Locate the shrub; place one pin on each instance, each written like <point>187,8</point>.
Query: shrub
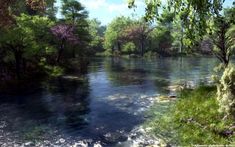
<point>226,91</point>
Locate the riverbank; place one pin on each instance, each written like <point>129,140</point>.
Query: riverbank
<point>194,119</point>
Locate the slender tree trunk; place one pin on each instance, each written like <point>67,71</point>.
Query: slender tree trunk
<point>74,53</point>
<point>112,50</point>
<point>119,46</point>
<point>181,38</point>
<point>60,52</point>
<point>59,55</point>
<point>142,49</point>
<point>18,58</point>
<point>142,46</point>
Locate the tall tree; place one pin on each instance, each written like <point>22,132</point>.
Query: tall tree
<point>26,42</point>
<point>65,34</point>
<point>113,34</point>
<point>138,32</point>
<point>96,32</point>
<point>9,8</point>
<point>194,14</point>
<point>76,15</point>
<point>73,11</point>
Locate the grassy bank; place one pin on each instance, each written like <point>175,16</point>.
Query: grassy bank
<point>194,119</point>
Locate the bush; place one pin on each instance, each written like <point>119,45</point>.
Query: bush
<point>226,92</point>
<point>194,119</point>
<point>53,71</point>
<point>129,48</point>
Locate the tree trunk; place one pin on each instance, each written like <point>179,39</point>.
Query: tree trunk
<point>142,46</point>
<point>60,52</point>
<point>18,58</point>
<point>119,46</point>
<point>59,55</point>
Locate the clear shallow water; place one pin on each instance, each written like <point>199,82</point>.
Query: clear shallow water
<point>103,105</point>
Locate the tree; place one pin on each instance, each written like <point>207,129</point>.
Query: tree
<point>9,8</point>
<point>113,35</point>
<point>138,32</point>
<point>73,11</point>
<point>222,49</point>
<point>26,42</point>
<point>129,48</point>
<point>76,15</point>
<point>6,9</point>
<point>65,34</point>
<point>51,9</point>
<point>96,32</point>
<point>161,40</point>
<point>161,36</point>
<point>194,14</point>
<point>199,18</point>
<point>222,36</point>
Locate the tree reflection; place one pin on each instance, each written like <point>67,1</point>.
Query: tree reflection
<point>123,72</point>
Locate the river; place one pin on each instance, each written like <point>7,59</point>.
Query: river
<point>100,107</point>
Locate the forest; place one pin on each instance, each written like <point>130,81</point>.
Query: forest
<point>33,39</point>
<point>37,46</point>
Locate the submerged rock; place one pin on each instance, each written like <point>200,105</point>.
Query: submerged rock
<point>139,137</point>
<point>175,88</point>
<point>97,144</point>
<point>3,124</point>
<point>80,144</point>
<point>29,144</point>
<point>166,98</point>
<point>62,140</point>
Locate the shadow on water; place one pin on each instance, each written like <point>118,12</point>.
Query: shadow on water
<point>61,102</point>
<point>66,105</point>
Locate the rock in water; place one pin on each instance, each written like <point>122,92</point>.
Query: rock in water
<point>139,137</point>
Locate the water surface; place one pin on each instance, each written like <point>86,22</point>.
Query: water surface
<point>103,105</point>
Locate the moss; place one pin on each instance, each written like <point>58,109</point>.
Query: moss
<point>36,133</point>
<point>193,119</point>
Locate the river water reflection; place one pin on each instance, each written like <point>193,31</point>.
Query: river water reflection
<point>103,105</point>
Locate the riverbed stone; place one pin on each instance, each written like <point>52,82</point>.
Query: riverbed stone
<point>3,124</point>
<point>80,144</point>
<point>97,144</point>
<point>29,143</point>
<point>139,137</point>
<point>62,140</point>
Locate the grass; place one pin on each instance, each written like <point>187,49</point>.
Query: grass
<point>193,120</point>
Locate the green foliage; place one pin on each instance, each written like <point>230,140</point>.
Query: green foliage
<point>51,70</point>
<point>75,14</point>
<point>96,35</point>
<point>223,39</point>
<point>28,40</point>
<point>230,43</point>
<point>129,48</point>
<point>114,32</point>
<point>161,40</point>
<point>73,11</point>
<point>193,119</point>
<point>195,15</point>
<point>36,30</point>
